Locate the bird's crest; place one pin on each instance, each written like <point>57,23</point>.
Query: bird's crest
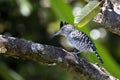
<point>62,24</point>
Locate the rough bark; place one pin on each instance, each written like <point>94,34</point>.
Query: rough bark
<point>109,16</point>
<point>22,49</point>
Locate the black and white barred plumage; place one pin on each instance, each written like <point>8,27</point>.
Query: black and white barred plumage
<point>78,39</point>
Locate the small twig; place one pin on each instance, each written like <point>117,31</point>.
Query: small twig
<point>22,49</point>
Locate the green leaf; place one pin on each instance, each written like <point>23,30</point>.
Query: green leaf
<point>87,13</point>
<point>62,10</point>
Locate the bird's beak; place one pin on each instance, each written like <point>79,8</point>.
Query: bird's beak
<point>57,33</point>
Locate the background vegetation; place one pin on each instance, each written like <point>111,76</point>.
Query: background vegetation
<point>38,20</point>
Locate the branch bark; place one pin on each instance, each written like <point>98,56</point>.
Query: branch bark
<point>22,49</point>
<point>109,16</point>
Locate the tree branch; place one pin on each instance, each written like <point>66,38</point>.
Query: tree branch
<point>22,49</point>
<point>109,16</point>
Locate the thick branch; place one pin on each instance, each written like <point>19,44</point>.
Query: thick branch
<point>21,49</point>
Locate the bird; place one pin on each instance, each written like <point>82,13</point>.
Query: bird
<point>78,39</point>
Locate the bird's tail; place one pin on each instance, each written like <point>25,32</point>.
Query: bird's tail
<point>98,56</point>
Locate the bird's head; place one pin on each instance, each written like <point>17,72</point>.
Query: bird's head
<point>65,29</point>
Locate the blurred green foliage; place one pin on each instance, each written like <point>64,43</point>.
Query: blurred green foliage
<point>37,20</point>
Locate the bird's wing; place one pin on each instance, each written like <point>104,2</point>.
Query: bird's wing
<point>81,37</point>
